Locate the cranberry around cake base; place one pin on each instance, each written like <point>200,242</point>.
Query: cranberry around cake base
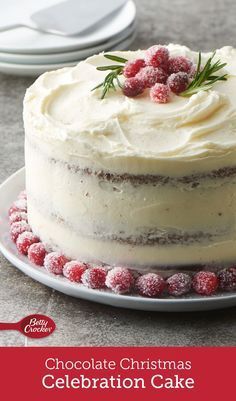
<point>130,181</point>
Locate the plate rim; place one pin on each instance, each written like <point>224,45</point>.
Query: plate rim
<point>20,66</point>
<point>110,298</point>
<point>11,58</point>
<point>34,70</point>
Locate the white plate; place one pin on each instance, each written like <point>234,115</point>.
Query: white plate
<point>26,40</point>
<point>35,70</point>
<point>8,193</point>
<point>65,57</point>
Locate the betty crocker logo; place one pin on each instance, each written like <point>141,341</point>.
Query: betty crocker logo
<point>33,326</point>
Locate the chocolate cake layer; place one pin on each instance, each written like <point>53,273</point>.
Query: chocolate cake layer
<point>149,237</point>
<point>141,179</point>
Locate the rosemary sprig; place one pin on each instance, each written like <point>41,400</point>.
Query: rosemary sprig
<point>205,78</point>
<point>112,78</point>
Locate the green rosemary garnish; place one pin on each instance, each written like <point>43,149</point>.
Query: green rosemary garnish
<point>205,78</point>
<point>111,79</point>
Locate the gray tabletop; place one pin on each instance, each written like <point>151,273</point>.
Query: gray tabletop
<point>202,25</point>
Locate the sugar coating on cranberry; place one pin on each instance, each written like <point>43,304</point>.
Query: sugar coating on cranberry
<point>73,270</point>
<point>24,241</point>
<point>205,283</point>
<point>192,71</point>
<point>227,279</point>
<point>18,216</point>
<point>178,82</point>
<point>132,87</point>
<point>37,253</point>
<point>13,209</point>
<point>179,63</point>
<point>54,262</point>
<point>95,277</point>
<point>150,285</point>
<point>18,228</point>
<point>149,76</point>
<point>179,284</point>
<point>131,68</point>
<point>157,56</point>
<point>120,280</point>
<point>21,204</point>
<point>160,93</point>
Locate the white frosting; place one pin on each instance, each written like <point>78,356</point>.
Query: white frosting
<point>134,135</point>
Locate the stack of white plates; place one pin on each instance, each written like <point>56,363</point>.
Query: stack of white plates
<point>25,51</point>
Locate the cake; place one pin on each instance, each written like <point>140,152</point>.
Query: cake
<point>126,181</point>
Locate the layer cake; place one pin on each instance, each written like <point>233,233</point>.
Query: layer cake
<point>126,181</point>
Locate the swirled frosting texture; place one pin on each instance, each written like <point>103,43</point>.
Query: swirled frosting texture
<point>136,135</point>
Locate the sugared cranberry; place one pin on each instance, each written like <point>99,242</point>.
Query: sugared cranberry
<point>13,209</point>
<point>150,285</point>
<point>227,279</point>
<point>179,284</point>
<point>131,68</point>
<point>37,253</point>
<point>178,82</point>
<point>54,262</point>
<point>119,280</point>
<point>73,270</point>
<point>18,228</point>
<point>132,87</point>
<point>22,195</point>
<point>18,216</point>
<point>179,63</point>
<point>149,76</point>
<point>205,283</point>
<point>160,93</point>
<point>157,56</point>
<point>21,204</point>
<point>24,241</point>
<point>94,277</point>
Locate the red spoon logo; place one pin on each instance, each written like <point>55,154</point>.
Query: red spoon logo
<point>33,326</point>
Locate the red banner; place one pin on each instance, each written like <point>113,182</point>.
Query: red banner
<point>117,374</point>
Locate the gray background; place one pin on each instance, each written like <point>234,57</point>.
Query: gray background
<point>201,24</point>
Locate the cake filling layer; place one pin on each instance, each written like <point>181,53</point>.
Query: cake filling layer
<point>143,237</point>
<point>140,257</point>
